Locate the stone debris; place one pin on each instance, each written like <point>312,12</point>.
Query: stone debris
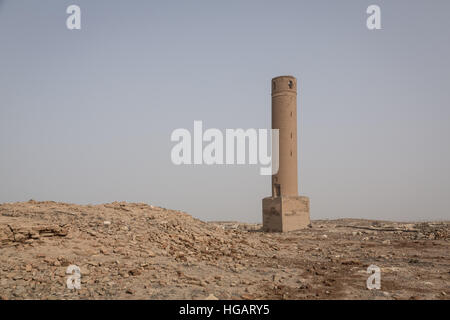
<point>11,233</point>
<point>136,251</point>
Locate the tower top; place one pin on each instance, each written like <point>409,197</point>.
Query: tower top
<point>284,85</point>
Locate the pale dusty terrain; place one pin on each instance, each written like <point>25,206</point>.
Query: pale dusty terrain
<point>137,251</point>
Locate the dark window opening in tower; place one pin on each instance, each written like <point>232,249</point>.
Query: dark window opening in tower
<point>291,84</point>
<point>277,190</point>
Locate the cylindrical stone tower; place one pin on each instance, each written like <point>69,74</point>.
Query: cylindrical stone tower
<point>284,118</point>
<point>285,210</point>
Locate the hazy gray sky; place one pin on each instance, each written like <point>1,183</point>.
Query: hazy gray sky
<point>86,115</point>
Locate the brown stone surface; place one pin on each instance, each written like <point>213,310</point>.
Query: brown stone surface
<point>285,213</point>
<point>137,251</point>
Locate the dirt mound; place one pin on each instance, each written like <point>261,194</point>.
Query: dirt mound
<point>138,251</point>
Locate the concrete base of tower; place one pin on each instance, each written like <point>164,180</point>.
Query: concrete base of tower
<point>285,213</point>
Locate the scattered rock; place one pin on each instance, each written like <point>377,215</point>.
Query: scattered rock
<point>155,253</point>
<point>135,272</point>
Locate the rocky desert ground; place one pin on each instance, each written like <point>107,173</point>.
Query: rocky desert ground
<point>138,251</point>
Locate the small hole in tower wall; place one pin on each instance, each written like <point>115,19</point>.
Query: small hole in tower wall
<point>291,84</point>
<point>277,190</point>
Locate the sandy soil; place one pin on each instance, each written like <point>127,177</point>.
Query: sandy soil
<point>137,251</point>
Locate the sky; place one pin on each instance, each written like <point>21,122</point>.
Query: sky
<point>86,115</point>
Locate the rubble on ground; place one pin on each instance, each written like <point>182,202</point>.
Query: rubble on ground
<point>137,251</point>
